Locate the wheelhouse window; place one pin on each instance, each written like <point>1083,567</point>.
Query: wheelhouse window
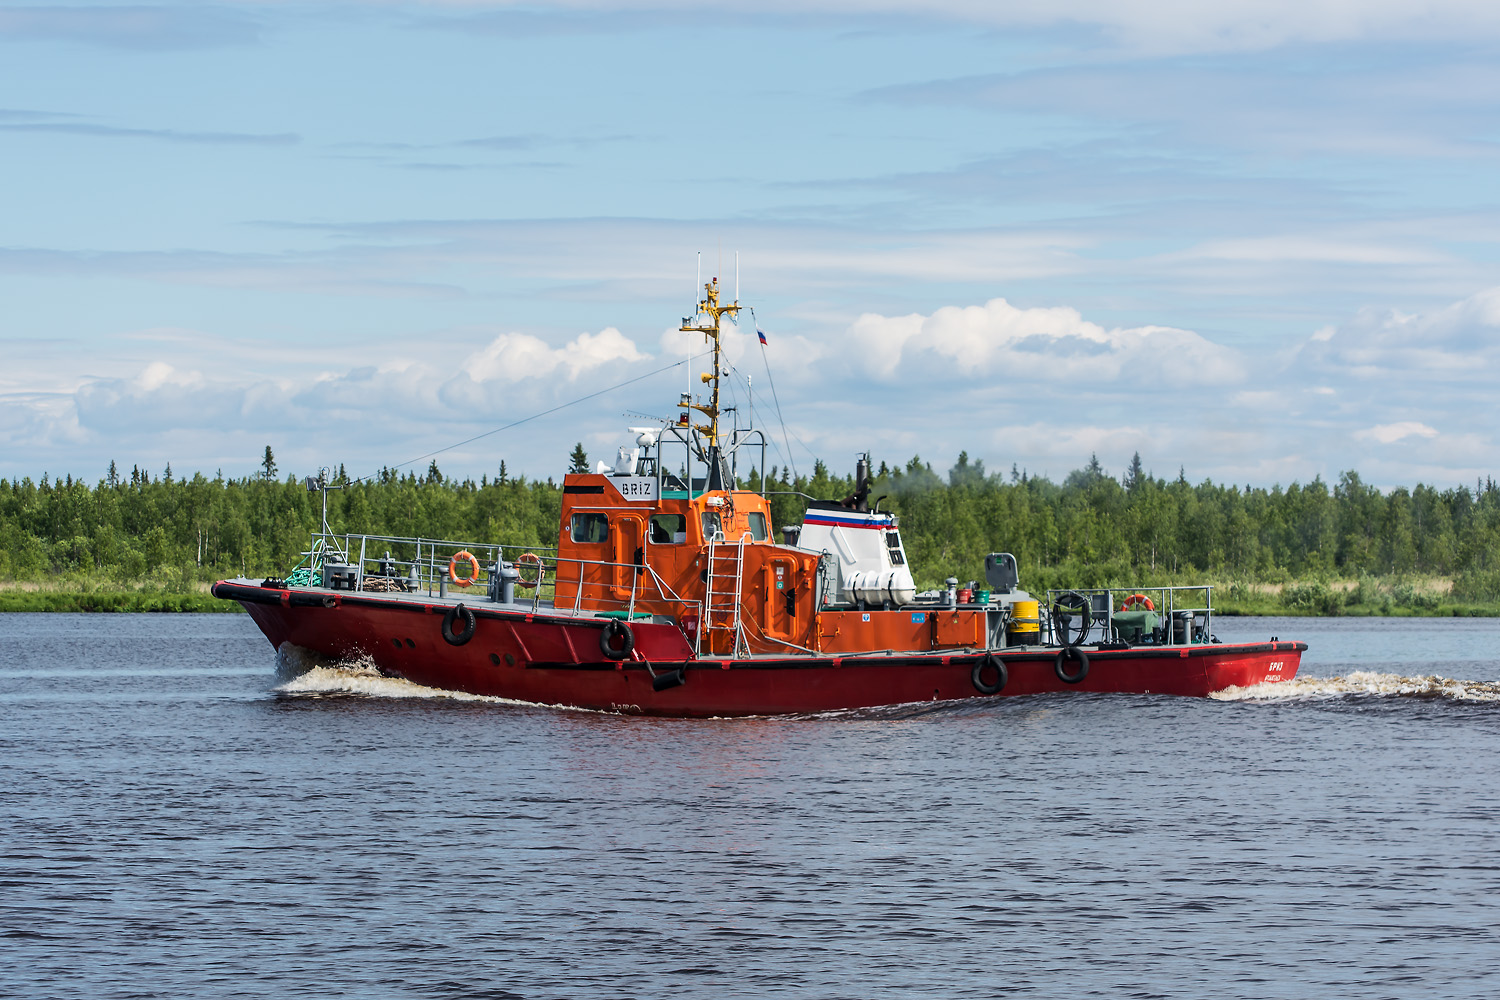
<point>711,524</point>
<point>668,529</point>
<point>893,543</point>
<point>758,532</point>
<point>589,528</point>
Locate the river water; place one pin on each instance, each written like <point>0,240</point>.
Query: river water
<point>177,821</point>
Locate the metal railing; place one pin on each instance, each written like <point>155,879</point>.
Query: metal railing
<point>416,564</point>
<point>389,563</point>
<point>591,586</point>
<point>1185,615</point>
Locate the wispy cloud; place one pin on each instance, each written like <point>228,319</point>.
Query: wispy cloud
<point>381,272</point>
<point>1414,102</point>
<point>468,153</point>
<point>158,134</point>
<point>1147,26</point>
<point>26,115</point>
<point>152,28</point>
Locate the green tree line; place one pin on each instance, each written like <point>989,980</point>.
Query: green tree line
<point>1091,529</point>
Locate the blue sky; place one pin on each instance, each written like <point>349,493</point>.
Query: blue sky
<point>1257,241</point>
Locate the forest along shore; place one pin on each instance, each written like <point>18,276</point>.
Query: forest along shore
<point>154,543</point>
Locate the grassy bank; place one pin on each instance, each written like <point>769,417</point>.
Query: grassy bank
<point>110,601</point>
<point>1270,607</point>
<point>1365,597</point>
<point>110,595</point>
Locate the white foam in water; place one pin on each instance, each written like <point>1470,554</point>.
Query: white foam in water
<point>1365,682</point>
<point>294,661</point>
<point>308,673</point>
<point>354,680</point>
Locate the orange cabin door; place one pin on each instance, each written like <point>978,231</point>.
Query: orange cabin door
<point>780,583</point>
<point>629,536</point>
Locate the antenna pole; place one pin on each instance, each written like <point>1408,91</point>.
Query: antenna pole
<point>706,321</point>
<point>697,281</point>
<point>736,276</point>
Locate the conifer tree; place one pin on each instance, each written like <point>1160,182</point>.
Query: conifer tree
<point>579,459</point>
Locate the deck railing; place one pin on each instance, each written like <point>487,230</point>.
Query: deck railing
<point>1185,613</point>
<point>423,566</point>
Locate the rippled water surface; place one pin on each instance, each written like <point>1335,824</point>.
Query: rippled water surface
<point>172,824</point>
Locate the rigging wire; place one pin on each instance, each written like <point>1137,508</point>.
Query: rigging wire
<point>534,416</point>
<point>776,449</point>
<point>755,321</point>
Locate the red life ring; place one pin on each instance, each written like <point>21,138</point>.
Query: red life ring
<point>463,581</point>
<point>1136,601</point>
<point>530,559</point>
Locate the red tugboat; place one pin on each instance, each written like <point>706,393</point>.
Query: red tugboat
<point>670,597</point>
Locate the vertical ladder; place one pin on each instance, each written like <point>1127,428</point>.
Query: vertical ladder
<point>721,597</point>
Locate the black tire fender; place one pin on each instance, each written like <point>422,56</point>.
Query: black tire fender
<point>1060,665</point>
<point>471,625</point>
<point>976,676</point>
<point>667,679</point>
<point>615,629</point>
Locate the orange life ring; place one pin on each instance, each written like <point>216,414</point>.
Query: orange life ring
<point>530,559</point>
<point>1135,601</point>
<point>463,581</point>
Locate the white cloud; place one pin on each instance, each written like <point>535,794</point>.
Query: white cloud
<point>1459,343</point>
<point>512,357</point>
<point>1053,344</point>
<point>1044,387</point>
<point>512,373</point>
<point>158,374</point>
<point>1391,433</point>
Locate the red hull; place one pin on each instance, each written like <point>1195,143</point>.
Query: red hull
<point>555,659</point>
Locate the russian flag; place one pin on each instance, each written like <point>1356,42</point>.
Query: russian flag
<point>761,334</point>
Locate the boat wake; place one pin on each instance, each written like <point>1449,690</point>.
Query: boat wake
<point>353,680</point>
<point>305,674</point>
<point>1365,683</point>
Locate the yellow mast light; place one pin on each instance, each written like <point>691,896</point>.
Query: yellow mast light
<point>711,308</point>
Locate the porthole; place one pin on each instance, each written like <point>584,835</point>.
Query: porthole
<point>495,659</point>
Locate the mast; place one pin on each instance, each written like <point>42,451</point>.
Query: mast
<point>711,309</point>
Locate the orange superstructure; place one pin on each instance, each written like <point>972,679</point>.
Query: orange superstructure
<point>706,560</point>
